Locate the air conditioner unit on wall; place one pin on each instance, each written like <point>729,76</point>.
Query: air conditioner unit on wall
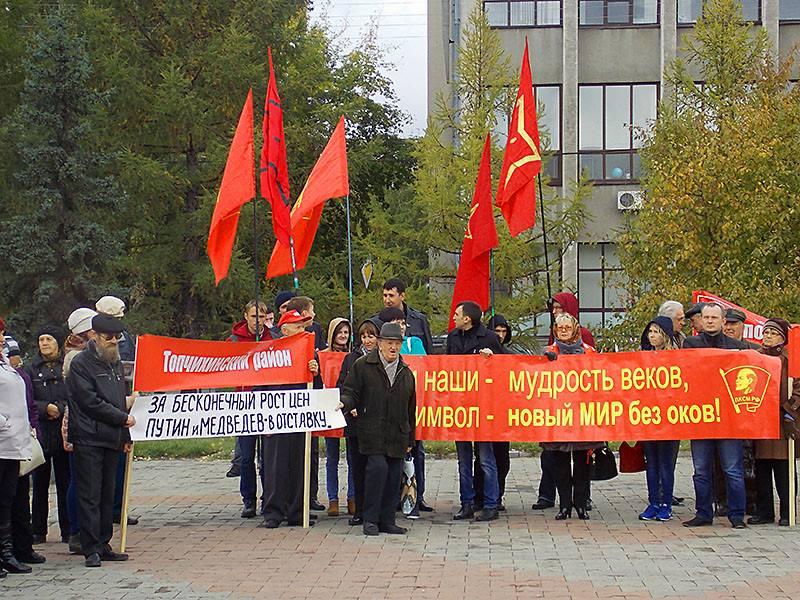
<point>630,199</point>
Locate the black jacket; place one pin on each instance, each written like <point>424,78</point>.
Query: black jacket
<point>97,410</point>
<point>417,325</point>
<point>473,341</point>
<point>386,422</point>
<point>720,341</point>
<point>49,387</point>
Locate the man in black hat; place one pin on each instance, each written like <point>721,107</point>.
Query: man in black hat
<point>381,388</point>
<point>98,429</point>
<point>694,314</point>
<point>734,327</point>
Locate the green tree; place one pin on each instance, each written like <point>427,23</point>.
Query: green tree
<point>721,178</point>
<point>58,226</point>
<point>448,156</point>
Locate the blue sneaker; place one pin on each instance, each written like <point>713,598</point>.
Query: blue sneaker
<point>664,513</point>
<point>649,513</point>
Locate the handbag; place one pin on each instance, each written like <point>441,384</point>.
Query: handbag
<point>604,465</point>
<point>631,458</point>
<point>37,457</point>
<point>408,496</point>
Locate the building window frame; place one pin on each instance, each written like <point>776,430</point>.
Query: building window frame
<point>554,155</point>
<point>790,20</point>
<point>626,25</point>
<point>604,153</point>
<point>535,5</point>
<point>606,272</point>
<point>692,23</point>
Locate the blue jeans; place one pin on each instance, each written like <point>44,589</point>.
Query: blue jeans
<point>247,478</point>
<point>731,459</point>
<point>491,490</point>
<point>332,446</point>
<point>660,471</point>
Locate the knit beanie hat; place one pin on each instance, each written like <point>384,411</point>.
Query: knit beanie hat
<point>56,332</point>
<point>780,325</point>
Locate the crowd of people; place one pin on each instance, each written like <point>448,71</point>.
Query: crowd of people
<point>78,405</point>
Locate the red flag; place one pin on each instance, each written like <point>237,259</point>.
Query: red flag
<point>238,187</point>
<point>516,190</point>
<point>328,180</point>
<point>793,346</point>
<point>274,170</point>
<point>472,279</point>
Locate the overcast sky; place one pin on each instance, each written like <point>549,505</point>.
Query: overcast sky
<point>401,33</point>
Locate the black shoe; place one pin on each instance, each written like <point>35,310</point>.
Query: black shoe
<point>564,513</point>
<point>783,522</point>
<point>272,523</point>
<point>424,507</point>
<point>317,506</point>
<point>112,556</point>
<point>39,539</point>
<point>12,565</point>
<point>677,501</point>
<point>697,522</point>
<point>487,514</point>
<point>542,504</point>
<point>75,544</point>
<point>249,510</point>
<point>501,507</point>
<point>738,524</point>
<point>582,514</point>
<point>589,505</point>
<point>466,512</point>
<point>233,471</point>
<point>3,573</point>
<point>93,560</point>
<point>355,520</point>
<point>477,507</point>
<point>392,529</point>
<point>371,528</point>
<point>760,520</point>
<point>34,558</point>
<point>65,538</point>
<point>117,519</point>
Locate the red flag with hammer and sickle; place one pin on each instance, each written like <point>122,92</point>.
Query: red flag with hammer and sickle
<point>516,191</point>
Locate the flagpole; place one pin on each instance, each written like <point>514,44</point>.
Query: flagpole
<point>491,281</point>
<point>544,237</point>
<point>255,262</point>
<point>349,264</point>
<point>294,263</point>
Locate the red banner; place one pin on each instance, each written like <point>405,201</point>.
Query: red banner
<point>330,365</point>
<point>164,364</point>
<point>753,323</point>
<point>686,394</point>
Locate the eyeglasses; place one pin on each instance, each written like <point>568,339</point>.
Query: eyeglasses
<point>111,336</point>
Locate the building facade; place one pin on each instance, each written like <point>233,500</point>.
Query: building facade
<point>598,69</point>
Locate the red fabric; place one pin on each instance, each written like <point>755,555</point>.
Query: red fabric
<point>631,458</point>
<point>794,351</point>
<point>274,168</point>
<point>516,190</point>
<point>238,187</point>
<point>328,180</point>
<point>472,279</point>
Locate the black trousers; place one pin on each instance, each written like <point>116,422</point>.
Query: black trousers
<point>547,484</point>
<point>95,479</point>
<point>59,462</point>
<point>9,474</point>
<point>503,459</point>
<point>358,463</point>
<point>382,489</point>
<point>284,455</point>
<point>21,532</point>
<point>572,484</point>
<point>766,469</point>
<point>314,467</point>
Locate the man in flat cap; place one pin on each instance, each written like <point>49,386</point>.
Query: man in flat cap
<point>98,429</point>
<point>381,388</point>
<point>694,314</point>
<point>734,327</point>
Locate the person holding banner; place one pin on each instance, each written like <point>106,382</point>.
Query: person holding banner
<point>284,453</point>
<point>772,456</point>
<point>470,336</point>
<point>731,453</point>
<point>572,480</point>
<point>98,430</point>
<point>381,389</point>
<point>659,455</point>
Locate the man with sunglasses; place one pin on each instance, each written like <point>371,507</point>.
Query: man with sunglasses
<point>98,430</point>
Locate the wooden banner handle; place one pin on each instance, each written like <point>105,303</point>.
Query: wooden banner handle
<point>123,519</point>
<point>307,476</point>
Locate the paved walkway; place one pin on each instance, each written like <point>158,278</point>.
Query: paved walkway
<point>191,543</point>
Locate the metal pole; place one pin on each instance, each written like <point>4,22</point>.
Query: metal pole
<point>294,263</point>
<point>349,264</point>
<point>307,475</point>
<point>491,280</point>
<point>544,238</point>
<point>792,475</point>
<point>255,263</point>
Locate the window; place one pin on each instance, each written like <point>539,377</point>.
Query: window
<point>789,10</point>
<point>602,301</point>
<point>548,106</point>
<point>523,13</point>
<point>618,12</point>
<point>690,10</point>
<point>610,118</point>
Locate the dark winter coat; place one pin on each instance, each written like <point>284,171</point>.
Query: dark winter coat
<point>386,422</point>
<point>721,341</point>
<point>473,341</point>
<point>97,409</point>
<point>417,326</point>
<point>49,387</point>
<point>778,449</point>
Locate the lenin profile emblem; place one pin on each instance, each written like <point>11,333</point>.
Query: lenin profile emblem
<point>746,386</point>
